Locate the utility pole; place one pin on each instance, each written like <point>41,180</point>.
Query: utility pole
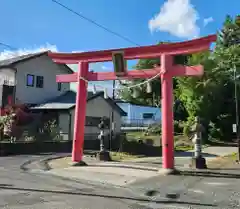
<point>236,111</point>
<point>112,118</point>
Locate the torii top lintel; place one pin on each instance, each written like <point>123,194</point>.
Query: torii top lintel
<point>187,47</point>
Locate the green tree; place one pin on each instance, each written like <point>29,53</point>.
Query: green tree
<point>211,96</point>
<point>230,33</point>
<point>142,96</point>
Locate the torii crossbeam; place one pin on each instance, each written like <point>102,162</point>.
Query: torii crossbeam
<point>167,71</point>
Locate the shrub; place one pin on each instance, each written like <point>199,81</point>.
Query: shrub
<point>187,126</point>
<point>154,129</point>
<point>178,127</point>
<point>214,132</point>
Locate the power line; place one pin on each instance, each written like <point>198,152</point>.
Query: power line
<point>95,23</point>
<point>8,46</point>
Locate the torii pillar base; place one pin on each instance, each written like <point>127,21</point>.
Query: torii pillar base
<point>198,163</point>
<point>166,172</point>
<point>78,164</point>
<point>104,156</point>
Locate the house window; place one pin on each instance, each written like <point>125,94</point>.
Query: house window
<point>30,80</point>
<point>147,115</point>
<point>94,121</point>
<point>59,86</point>
<point>39,83</point>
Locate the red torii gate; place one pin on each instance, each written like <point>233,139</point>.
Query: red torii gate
<point>167,70</point>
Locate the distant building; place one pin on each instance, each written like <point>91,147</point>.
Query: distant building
<point>97,107</point>
<point>139,115</point>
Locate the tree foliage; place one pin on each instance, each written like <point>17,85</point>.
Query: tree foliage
<point>211,96</point>
<point>230,33</point>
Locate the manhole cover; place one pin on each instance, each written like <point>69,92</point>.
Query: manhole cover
<point>151,193</point>
<point>172,195</point>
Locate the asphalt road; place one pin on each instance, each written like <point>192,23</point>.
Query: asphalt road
<point>19,189</point>
<point>32,190</point>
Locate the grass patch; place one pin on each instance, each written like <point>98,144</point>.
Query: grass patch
<point>183,148</point>
<point>227,161</point>
<point>120,156</point>
<point>182,143</point>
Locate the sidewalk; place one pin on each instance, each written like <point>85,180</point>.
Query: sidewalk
<point>183,158</point>
<point>123,173</point>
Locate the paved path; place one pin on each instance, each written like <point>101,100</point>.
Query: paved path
<point>182,159</point>
<point>26,190</point>
<point>124,173</point>
<point>39,190</point>
<point>208,190</point>
<point>201,190</point>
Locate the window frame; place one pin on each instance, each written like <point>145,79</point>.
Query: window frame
<point>59,87</point>
<point>33,80</point>
<point>38,77</point>
<point>147,118</point>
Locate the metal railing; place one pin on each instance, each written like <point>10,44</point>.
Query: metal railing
<point>139,122</point>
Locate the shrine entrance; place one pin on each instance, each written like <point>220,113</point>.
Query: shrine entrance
<point>166,72</point>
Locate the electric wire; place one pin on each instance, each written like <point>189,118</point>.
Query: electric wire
<point>94,22</point>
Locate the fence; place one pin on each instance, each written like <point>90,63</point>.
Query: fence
<point>139,122</point>
<point>120,143</point>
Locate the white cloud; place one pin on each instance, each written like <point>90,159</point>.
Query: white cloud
<point>105,67</point>
<point>7,54</point>
<point>178,17</point>
<point>206,21</point>
<point>77,51</point>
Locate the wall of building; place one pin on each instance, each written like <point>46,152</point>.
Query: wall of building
<point>98,107</point>
<point>137,112</point>
<point>39,66</point>
<point>7,77</point>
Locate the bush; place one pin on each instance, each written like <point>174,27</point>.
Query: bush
<point>214,132</point>
<point>187,126</point>
<point>178,127</point>
<point>154,129</point>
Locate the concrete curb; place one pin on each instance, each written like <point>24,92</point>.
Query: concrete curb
<point>24,167</point>
<point>45,166</point>
<point>44,163</point>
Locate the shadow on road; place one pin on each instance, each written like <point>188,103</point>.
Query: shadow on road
<point>125,166</point>
<point>106,196</point>
<point>210,174</point>
<point>190,154</point>
<point>225,169</point>
<point>6,185</point>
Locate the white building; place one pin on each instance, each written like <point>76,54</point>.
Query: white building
<point>35,77</point>
<point>31,79</point>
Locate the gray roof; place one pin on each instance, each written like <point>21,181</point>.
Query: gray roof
<point>15,60</point>
<point>68,100</point>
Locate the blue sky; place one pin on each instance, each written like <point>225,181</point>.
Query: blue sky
<point>30,24</point>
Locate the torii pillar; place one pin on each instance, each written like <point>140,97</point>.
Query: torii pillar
<point>167,112</point>
<point>166,71</point>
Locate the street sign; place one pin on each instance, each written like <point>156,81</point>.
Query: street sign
<point>234,128</point>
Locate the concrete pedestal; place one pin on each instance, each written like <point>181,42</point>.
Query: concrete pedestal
<point>81,163</point>
<point>104,156</point>
<point>198,162</point>
<point>165,172</point>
